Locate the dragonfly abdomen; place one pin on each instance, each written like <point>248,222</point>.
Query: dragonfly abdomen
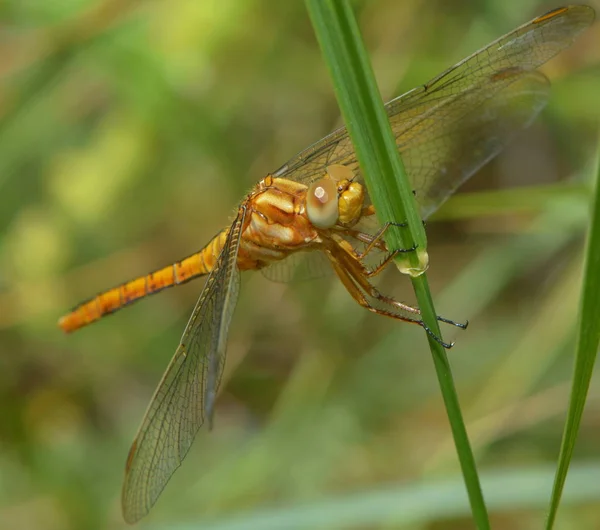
<point>111,300</point>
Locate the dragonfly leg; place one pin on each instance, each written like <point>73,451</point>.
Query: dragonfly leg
<point>445,345</point>
<point>373,241</point>
<point>387,260</point>
<point>365,238</point>
<point>354,277</point>
<point>355,291</point>
<point>356,256</point>
<point>378,237</point>
<point>405,307</point>
<point>369,273</point>
<point>459,325</point>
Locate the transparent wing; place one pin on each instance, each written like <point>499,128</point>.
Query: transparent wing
<point>185,396</point>
<point>298,267</point>
<point>451,126</point>
<point>452,142</point>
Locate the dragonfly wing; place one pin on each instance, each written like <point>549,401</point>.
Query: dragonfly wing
<point>298,267</point>
<point>424,116</point>
<point>448,145</point>
<point>185,396</point>
<point>525,48</point>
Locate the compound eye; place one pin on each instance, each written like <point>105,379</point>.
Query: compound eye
<point>322,203</point>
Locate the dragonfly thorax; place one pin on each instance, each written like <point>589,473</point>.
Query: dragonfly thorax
<point>350,202</point>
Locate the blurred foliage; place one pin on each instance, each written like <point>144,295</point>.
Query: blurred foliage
<point>128,132</point>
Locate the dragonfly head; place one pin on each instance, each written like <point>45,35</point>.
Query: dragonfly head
<point>335,199</point>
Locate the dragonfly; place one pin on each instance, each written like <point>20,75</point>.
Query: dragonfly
<point>317,205</point>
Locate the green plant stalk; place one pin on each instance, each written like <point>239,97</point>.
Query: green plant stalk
<point>588,341</point>
<point>391,193</point>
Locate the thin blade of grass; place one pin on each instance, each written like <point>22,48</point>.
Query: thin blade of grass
<point>390,192</point>
<point>588,340</point>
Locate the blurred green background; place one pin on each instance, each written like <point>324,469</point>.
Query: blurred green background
<point>129,130</point>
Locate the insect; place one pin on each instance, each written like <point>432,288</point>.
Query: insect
<point>316,204</point>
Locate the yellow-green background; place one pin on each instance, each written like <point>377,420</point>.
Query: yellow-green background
<point>128,132</point>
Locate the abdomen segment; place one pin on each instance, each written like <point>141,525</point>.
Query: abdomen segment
<point>112,300</point>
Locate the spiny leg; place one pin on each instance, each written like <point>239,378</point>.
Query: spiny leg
<point>373,241</point>
<point>364,237</point>
<point>376,241</point>
<point>351,286</point>
<point>379,235</point>
<point>405,307</point>
<point>357,257</point>
<point>356,293</point>
<point>459,325</point>
<point>369,273</point>
<point>352,274</point>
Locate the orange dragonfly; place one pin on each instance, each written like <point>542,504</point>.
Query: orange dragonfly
<point>445,130</point>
